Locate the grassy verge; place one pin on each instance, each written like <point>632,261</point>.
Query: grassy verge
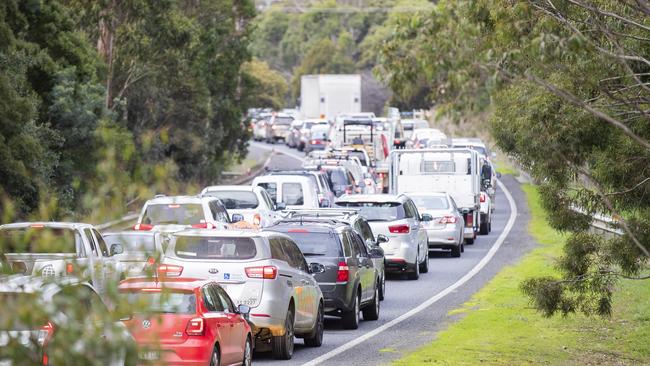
<point>500,328</point>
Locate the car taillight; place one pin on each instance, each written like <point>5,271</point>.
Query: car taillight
<point>482,197</point>
<point>69,268</point>
<point>195,327</point>
<point>44,336</point>
<point>257,220</point>
<point>447,220</point>
<point>204,225</point>
<point>469,220</point>
<point>169,270</point>
<point>343,274</point>
<point>265,272</point>
<point>142,227</point>
<point>399,229</point>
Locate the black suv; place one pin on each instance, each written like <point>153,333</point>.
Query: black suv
<point>350,283</point>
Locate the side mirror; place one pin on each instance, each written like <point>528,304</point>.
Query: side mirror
<point>280,206</point>
<point>376,252</point>
<point>116,249</point>
<point>325,202</point>
<point>243,310</point>
<point>237,218</point>
<point>381,238</point>
<point>426,217</point>
<point>315,268</point>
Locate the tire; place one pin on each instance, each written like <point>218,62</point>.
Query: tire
<point>455,251</point>
<point>469,241</point>
<point>424,266</point>
<point>483,228</point>
<point>371,312</point>
<point>382,288</point>
<point>462,247</point>
<point>416,272</point>
<point>215,358</point>
<point>283,345</point>
<point>351,318</point>
<point>248,353</point>
<point>316,338</point>
<point>490,225</point>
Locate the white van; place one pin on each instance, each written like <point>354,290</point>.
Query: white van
<point>294,191</point>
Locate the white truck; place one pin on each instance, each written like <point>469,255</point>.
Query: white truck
<point>455,171</point>
<point>327,96</point>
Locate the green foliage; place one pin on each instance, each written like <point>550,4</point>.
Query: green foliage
<point>543,69</point>
<point>268,87</point>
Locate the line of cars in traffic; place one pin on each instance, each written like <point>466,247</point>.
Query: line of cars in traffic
<point>210,278</point>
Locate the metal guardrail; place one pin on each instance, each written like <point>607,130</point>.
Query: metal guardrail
<point>602,223</point>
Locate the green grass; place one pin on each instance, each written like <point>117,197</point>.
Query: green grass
<point>504,165</point>
<point>498,326</point>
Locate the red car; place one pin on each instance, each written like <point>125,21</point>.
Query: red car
<point>186,321</point>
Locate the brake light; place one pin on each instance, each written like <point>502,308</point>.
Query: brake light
<point>482,197</point>
<point>69,268</point>
<point>174,206</point>
<point>297,231</point>
<point>195,327</point>
<point>265,272</point>
<point>44,336</point>
<point>399,229</point>
<point>37,226</point>
<point>257,220</point>
<point>204,225</point>
<point>142,227</point>
<point>447,220</point>
<point>469,220</point>
<point>343,274</point>
<point>169,270</point>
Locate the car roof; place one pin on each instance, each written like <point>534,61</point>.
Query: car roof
<point>180,200</point>
<point>221,233</point>
<point>48,224</point>
<point>316,225</point>
<point>131,233</point>
<point>372,198</point>
<point>283,178</point>
<point>429,194</point>
<point>229,188</point>
<point>181,283</point>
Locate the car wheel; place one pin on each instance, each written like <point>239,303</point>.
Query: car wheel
<point>248,353</point>
<point>424,266</point>
<point>483,229</point>
<point>416,271</point>
<point>382,288</point>
<point>371,312</point>
<point>351,318</point>
<point>490,225</point>
<point>462,247</point>
<point>215,359</point>
<point>316,338</point>
<point>469,241</point>
<point>455,251</point>
<point>283,345</point>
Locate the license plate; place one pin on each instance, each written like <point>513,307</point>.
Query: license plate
<point>149,355</point>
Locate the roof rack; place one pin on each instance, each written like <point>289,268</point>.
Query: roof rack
<point>322,212</point>
<point>314,220</point>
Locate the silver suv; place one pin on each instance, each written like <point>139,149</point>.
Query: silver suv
<point>396,217</point>
<point>263,270</point>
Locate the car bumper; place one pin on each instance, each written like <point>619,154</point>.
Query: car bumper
<point>194,351</point>
<point>442,238</point>
<point>336,298</point>
<point>398,265</point>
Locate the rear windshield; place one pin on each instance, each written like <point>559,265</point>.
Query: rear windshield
<point>170,214</point>
<point>309,125</point>
<point>194,247</point>
<point>40,240</point>
<point>236,200</point>
<point>337,177</point>
<point>377,211</point>
<point>166,302</point>
<point>271,189</point>
<point>479,149</point>
<point>315,244</point>
<point>360,155</point>
<point>319,132</point>
<point>292,194</point>
<point>283,121</point>
<point>430,202</point>
<point>132,243</point>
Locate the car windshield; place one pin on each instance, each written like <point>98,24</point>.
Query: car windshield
<point>360,155</point>
<point>337,177</point>
<point>197,247</point>
<point>170,214</point>
<point>479,149</point>
<point>314,244</point>
<point>40,239</point>
<point>285,121</point>
<point>168,302</point>
<point>430,202</point>
<point>132,243</point>
<point>377,211</point>
<point>236,200</point>
<point>309,125</point>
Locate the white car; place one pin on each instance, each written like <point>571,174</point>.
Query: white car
<point>60,249</point>
<point>396,217</point>
<point>259,127</point>
<point>294,191</point>
<point>305,131</point>
<point>172,213</point>
<point>486,214</point>
<point>252,202</point>
<point>424,137</point>
<point>263,270</point>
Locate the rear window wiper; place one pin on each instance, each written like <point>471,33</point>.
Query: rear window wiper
<point>313,254</point>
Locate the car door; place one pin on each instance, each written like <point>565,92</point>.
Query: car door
<point>108,263</point>
<point>217,320</point>
<point>420,235</point>
<point>366,269</point>
<point>237,338</point>
<point>303,316</point>
<point>368,237</point>
<point>95,269</point>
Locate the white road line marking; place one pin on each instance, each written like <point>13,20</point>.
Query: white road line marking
<point>437,297</point>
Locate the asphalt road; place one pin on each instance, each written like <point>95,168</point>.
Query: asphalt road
<point>414,311</point>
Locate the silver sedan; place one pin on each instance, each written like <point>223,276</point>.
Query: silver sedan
<point>445,231</point>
